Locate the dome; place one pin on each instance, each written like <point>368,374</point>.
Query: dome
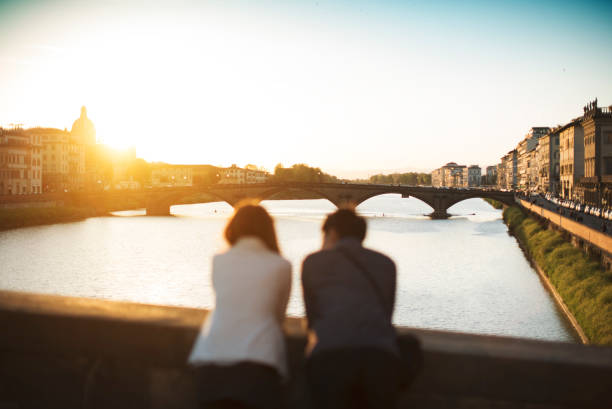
<point>83,129</point>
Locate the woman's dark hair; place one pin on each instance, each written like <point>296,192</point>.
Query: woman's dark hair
<point>346,223</point>
<point>251,220</point>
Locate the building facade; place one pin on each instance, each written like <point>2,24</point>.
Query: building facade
<point>547,158</point>
<point>501,176</point>
<point>449,175</point>
<point>571,158</point>
<point>509,164</point>
<point>21,163</point>
<point>491,175</point>
<point>237,175</point>
<point>596,185</point>
<point>474,176</point>
<point>166,175</point>
<point>63,160</point>
<point>527,168</point>
<point>98,169</point>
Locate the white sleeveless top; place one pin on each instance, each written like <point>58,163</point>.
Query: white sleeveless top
<point>252,286</point>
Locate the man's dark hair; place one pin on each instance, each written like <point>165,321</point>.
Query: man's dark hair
<point>346,223</point>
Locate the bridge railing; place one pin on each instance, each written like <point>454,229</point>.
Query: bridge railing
<point>75,352</point>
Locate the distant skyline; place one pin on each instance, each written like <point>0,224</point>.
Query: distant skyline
<point>342,85</point>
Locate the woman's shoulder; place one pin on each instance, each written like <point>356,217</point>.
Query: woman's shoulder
<point>268,257</point>
<point>281,262</point>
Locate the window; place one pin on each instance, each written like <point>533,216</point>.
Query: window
<point>608,165</point>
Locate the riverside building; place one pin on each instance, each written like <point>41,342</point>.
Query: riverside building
<point>63,160</point>
<point>449,175</point>
<point>501,175</point>
<point>491,175</point>
<point>526,159</point>
<point>166,175</point>
<point>236,175</point>
<point>20,162</point>
<point>97,164</point>
<point>547,154</point>
<point>596,185</point>
<point>571,158</point>
<point>509,164</point>
<point>474,176</point>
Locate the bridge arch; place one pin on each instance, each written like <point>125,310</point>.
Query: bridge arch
<point>370,196</point>
<point>160,206</point>
<point>269,193</point>
<point>503,200</point>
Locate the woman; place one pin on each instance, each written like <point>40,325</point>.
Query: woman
<point>239,354</point>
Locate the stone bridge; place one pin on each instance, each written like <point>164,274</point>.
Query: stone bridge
<point>159,201</point>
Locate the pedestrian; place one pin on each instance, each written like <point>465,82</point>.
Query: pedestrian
<point>239,356</point>
<point>349,293</point>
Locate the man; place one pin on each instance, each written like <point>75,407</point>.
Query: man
<point>349,293</point>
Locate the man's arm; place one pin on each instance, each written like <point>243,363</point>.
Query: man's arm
<point>284,290</point>
<point>393,288</point>
<point>309,272</point>
<point>307,291</point>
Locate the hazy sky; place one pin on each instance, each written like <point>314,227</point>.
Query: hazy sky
<point>344,85</point>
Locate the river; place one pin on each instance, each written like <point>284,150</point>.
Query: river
<point>462,274</point>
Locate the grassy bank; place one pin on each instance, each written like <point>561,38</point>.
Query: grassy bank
<point>586,288</point>
<point>14,218</point>
<point>495,203</point>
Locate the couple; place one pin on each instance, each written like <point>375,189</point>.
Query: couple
<point>349,294</point>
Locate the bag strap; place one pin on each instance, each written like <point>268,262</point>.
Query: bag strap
<point>366,273</point>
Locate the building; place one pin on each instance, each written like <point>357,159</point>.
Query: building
<point>521,165</point>
<point>571,158</point>
<point>166,175</point>
<point>491,175</point>
<point>236,175</point>
<point>509,165</point>
<point>526,159</point>
<point>596,185</point>
<point>547,158</point>
<point>532,171</point>
<point>501,175</point>
<point>474,174</point>
<point>63,160</point>
<point>449,175</point>
<point>21,163</point>
<point>98,169</point>
<point>256,176</point>
<point>437,177</point>
<point>232,175</point>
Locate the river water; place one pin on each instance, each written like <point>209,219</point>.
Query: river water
<point>463,274</point>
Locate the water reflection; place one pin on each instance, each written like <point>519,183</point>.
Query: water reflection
<point>464,274</point>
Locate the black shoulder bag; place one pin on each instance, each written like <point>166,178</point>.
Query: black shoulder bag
<point>411,355</point>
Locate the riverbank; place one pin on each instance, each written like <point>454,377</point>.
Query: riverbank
<point>495,203</point>
<point>584,286</point>
<point>35,216</point>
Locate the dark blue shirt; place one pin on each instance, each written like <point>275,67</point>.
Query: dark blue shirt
<point>342,307</point>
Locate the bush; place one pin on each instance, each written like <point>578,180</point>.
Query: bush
<point>584,285</point>
<point>495,203</point>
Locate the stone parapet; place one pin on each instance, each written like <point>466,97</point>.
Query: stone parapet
<point>64,352</point>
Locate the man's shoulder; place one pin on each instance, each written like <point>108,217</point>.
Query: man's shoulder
<point>378,255</point>
<point>319,256</point>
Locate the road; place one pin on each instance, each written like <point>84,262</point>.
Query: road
<point>594,222</point>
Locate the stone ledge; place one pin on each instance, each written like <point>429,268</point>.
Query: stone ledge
<point>75,352</point>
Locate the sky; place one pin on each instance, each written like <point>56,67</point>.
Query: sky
<point>354,87</point>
